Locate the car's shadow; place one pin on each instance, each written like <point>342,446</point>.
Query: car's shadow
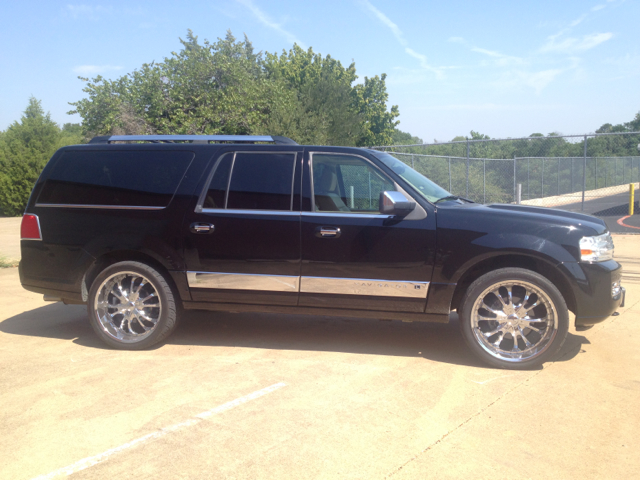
<point>437,342</point>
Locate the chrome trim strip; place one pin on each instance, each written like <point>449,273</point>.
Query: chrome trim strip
<point>363,286</point>
<point>287,283</point>
<point>243,281</point>
<point>249,212</point>
<point>346,215</point>
<point>101,207</point>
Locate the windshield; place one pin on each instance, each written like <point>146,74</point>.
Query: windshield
<point>422,184</point>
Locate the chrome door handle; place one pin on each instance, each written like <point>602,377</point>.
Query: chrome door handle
<point>327,232</point>
<point>201,227</point>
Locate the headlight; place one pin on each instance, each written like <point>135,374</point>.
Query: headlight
<point>596,249</point>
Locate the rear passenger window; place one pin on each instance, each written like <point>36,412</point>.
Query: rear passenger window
<point>116,178</point>
<point>259,181</point>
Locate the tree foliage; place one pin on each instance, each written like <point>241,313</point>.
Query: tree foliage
<point>226,87</point>
<point>25,148</point>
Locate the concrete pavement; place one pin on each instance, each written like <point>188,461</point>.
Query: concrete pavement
<point>10,237</point>
<point>363,399</point>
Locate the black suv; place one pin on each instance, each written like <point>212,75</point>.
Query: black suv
<point>141,227</point>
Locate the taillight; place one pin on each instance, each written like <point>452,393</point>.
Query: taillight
<point>30,228</point>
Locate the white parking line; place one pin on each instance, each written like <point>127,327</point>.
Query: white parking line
<point>91,461</point>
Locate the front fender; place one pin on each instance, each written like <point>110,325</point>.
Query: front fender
<point>454,260</point>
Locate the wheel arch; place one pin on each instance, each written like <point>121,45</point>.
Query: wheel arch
<point>535,264</point>
<point>110,258</point>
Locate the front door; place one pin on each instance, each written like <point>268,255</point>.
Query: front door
<point>353,256</point>
<point>243,244</point>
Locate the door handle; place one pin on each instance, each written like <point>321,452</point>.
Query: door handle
<point>328,232</point>
<point>201,227</point>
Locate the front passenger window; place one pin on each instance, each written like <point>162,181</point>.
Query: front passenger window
<point>346,183</point>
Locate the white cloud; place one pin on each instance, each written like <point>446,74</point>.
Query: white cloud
<point>419,56</point>
<point>87,11</point>
<point>578,20</point>
<point>501,59</point>
<point>97,12</point>
<point>386,21</point>
<point>95,69</point>
<point>267,21</point>
<point>539,80</point>
<point>597,7</point>
<point>574,45</point>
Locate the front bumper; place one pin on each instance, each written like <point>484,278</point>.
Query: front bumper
<point>592,285</point>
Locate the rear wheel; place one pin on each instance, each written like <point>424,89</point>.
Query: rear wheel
<point>131,306</point>
<point>514,318</point>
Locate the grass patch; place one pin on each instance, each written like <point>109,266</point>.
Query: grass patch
<point>6,263</point>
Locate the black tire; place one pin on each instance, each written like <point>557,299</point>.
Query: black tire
<point>514,318</point>
<point>131,306</point>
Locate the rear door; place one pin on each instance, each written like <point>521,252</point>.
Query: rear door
<point>243,238</point>
<point>353,256</point>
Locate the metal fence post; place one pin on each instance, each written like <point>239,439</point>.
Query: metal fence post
<point>558,176</point>
<point>596,159</point>
<point>484,180</point>
<point>450,175</point>
<point>412,165</point>
<point>528,194</point>
<point>584,171</point>
<point>467,193</point>
<point>542,180</point>
<point>571,175</point>
<point>514,179</point>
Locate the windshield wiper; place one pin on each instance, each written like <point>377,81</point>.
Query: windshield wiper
<point>453,197</point>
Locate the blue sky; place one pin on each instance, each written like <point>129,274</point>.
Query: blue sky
<point>503,68</point>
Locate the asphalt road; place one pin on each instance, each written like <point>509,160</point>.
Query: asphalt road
<point>612,209</point>
<point>274,396</point>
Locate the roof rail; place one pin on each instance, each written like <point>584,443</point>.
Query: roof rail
<point>194,139</point>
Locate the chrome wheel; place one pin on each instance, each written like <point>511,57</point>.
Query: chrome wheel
<point>127,307</point>
<point>514,321</point>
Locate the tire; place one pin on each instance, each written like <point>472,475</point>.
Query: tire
<point>514,318</point>
<point>131,306</point>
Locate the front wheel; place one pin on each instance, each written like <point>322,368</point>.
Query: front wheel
<point>131,306</point>
<point>514,318</point>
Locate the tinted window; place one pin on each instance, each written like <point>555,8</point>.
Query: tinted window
<point>261,181</point>
<point>218,187</point>
<point>343,183</point>
<point>116,178</point>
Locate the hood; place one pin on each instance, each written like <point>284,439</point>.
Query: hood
<point>505,226</point>
<point>561,217</point>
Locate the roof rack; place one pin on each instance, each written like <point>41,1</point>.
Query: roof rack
<point>199,139</point>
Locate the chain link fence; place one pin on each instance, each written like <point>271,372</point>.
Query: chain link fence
<point>588,173</point>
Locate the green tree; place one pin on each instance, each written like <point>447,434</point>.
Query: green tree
<point>25,148</point>
<point>227,88</point>
<point>207,88</point>
<point>325,113</point>
<point>405,138</point>
<point>371,103</point>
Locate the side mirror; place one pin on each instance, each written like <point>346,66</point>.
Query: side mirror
<point>395,203</point>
